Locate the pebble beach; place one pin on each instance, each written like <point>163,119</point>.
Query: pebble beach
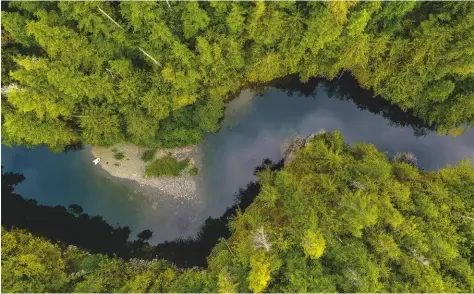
<point>132,167</point>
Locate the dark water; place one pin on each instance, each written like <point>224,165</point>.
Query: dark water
<point>254,129</point>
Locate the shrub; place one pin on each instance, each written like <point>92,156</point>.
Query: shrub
<point>148,155</point>
<point>193,171</point>
<point>166,166</point>
<point>313,244</point>
<point>119,155</point>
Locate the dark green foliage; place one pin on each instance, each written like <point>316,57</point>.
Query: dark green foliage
<point>148,155</point>
<point>145,235</point>
<point>119,155</point>
<point>157,77</point>
<point>166,166</point>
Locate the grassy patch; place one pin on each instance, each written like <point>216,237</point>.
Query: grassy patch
<point>119,155</point>
<point>193,171</point>
<point>148,155</point>
<point>166,166</point>
<point>114,150</point>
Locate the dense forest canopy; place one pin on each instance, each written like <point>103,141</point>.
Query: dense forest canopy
<point>158,75</point>
<point>334,219</point>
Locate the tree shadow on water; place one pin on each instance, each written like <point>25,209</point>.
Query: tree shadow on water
<point>194,252</point>
<point>347,88</point>
<point>92,233</point>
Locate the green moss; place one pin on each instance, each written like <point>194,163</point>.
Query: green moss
<point>119,156</point>
<point>166,166</point>
<point>148,155</point>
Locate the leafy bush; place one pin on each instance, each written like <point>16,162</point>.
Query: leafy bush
<point>193,171</point>
<point>148,155</point>
<point>119,155</point>
<point>166,166</point>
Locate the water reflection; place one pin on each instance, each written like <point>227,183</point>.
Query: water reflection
<point>271,120</point>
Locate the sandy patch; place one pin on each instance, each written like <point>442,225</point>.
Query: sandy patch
<point>133,168</point>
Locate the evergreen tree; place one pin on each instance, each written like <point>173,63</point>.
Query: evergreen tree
<point>147,63</point>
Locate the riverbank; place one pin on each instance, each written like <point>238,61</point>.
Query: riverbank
<point>132,167</point>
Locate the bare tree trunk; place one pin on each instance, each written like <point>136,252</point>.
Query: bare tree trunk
<point>229,248</point>
<point>260,240</point>
<point>117,24</point>
<point>149,56</point>
<point>108,16</point>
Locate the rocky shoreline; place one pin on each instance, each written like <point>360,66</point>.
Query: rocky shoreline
<point>296,144</point>
<point>132,167</point>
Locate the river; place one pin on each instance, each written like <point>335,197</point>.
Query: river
<point>254,129</point>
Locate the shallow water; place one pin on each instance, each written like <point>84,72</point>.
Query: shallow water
<point>253,130</point>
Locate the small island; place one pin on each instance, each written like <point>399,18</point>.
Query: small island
<point>177,179</point>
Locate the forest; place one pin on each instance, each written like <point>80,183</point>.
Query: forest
<point>334,218</point>
<point>337,218</point>
<point>157,74</point>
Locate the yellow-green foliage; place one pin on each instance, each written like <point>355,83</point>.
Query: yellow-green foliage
<point>160,79</point>
<point>193,171</point>
<point>350,219</point>
<point>313,244</point>
<point>259,274</point>
<point>224,283</point>
<point>31,264</point>
<point>336,219</point>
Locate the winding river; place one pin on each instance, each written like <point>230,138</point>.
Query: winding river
<point>254,128</point>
